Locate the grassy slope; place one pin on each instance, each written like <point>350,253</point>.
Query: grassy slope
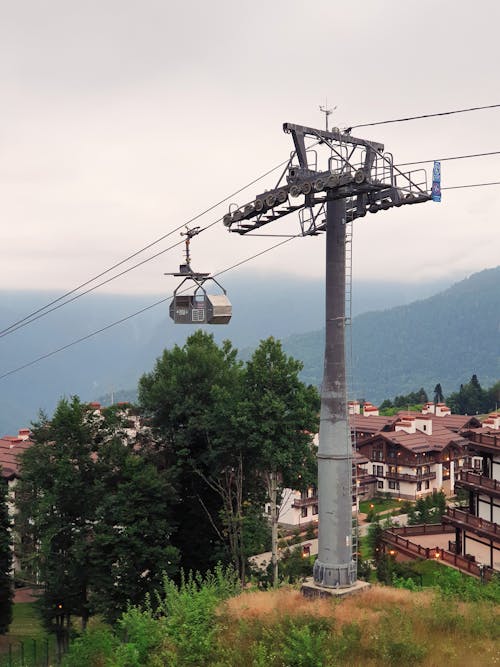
<point>26,628</point>
<point>382,626</point>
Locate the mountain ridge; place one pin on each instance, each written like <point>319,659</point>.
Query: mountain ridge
<point>115,359</point>
<point>443,338</point>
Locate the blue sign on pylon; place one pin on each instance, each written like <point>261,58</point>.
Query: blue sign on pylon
<point>436,182</point>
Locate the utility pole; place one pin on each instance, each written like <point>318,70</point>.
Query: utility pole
<point>357,178</point>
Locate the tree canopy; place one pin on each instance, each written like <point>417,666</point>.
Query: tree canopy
<point>472,399</point>
<point>6,583</point>
<point>93,517</point>
<point>227,429</point>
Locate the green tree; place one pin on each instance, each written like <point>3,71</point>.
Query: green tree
<point>280,414</point>
<point>94,517</point>
<point>130,549</point>
<point>493,400</point>
<point>6,583</point>
<point>411,400</point>
<point>438,393</point>
<point>56,501</point>
<point>471,399</point>
<point>191,400</point>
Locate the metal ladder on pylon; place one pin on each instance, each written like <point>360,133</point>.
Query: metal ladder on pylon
<point>349,378</point>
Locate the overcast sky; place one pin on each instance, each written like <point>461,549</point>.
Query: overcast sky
<point>123,119</point>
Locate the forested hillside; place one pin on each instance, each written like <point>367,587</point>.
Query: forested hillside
<point>116,358</point>
<point>445,338</point>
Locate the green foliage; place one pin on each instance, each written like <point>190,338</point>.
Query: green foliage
<point>390,412</point>
<point>176,627</point>
<point>188,625</point>
<point>96,647</point>
<point>294,566</point>
<point>130,550</point>
<point>472,399</point>
<point>428,509</point>
<point>454,584</point>
<point>6,582</point>
<point>380,504</point>
<point>282,412</point>
<point>438,393</point>
<point>279,413</point>
<point>414,399</point>
<point>394,641</point>
<point>401,582</point>
<point>304,644</point>
<point>93,517</point>
<point>364,569</point>
<point>228,432</point>
<point>141,635</point>
<point>385,569</point>
<point>374,540</point>
<point>187,615</point>
<point>56,500</point>
<point>191,398</point>
<point>420,342</point>
<point>256,529</point>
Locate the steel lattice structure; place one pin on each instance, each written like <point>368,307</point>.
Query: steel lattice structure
<point>357,177</point>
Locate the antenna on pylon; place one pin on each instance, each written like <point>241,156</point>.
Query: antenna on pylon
<point>327,111</point>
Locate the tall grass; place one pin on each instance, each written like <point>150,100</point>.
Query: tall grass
<point>208,622</point>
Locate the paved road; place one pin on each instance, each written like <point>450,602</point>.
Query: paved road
<point>262,560</point>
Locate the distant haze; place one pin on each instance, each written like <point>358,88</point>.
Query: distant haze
<point>115,359</point>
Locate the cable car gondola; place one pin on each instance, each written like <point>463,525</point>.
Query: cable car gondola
<point>194,304</point>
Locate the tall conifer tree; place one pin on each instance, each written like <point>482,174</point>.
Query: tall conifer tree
<point>6,583</point>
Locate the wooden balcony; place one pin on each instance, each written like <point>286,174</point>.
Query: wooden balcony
<point>475,482</point>
<point>305,502</point>
<point>484,441</point>
<point>471,523</point>
<point>407,477</point>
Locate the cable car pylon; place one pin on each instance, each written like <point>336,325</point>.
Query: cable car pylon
<point>355,177</point>
<point>194,304</point>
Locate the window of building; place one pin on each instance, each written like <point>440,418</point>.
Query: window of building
<point>314,510</point>
<point>427,484</point>
<point>303,512</point>
<point>394,485</point>
<point>380,485</point>
<point>419,486</point>
<point>378,471</point>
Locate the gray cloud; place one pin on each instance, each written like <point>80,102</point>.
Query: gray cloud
<point>122,119</point>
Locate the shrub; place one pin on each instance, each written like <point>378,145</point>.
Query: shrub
<point>187,615</point>
<point>142,633</point>
<point>95,647</point>
<point>294,566</point>
<point>347,642</point>
<point>304,647</point>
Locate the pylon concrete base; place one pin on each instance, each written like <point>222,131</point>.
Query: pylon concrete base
<point>310,589</point>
